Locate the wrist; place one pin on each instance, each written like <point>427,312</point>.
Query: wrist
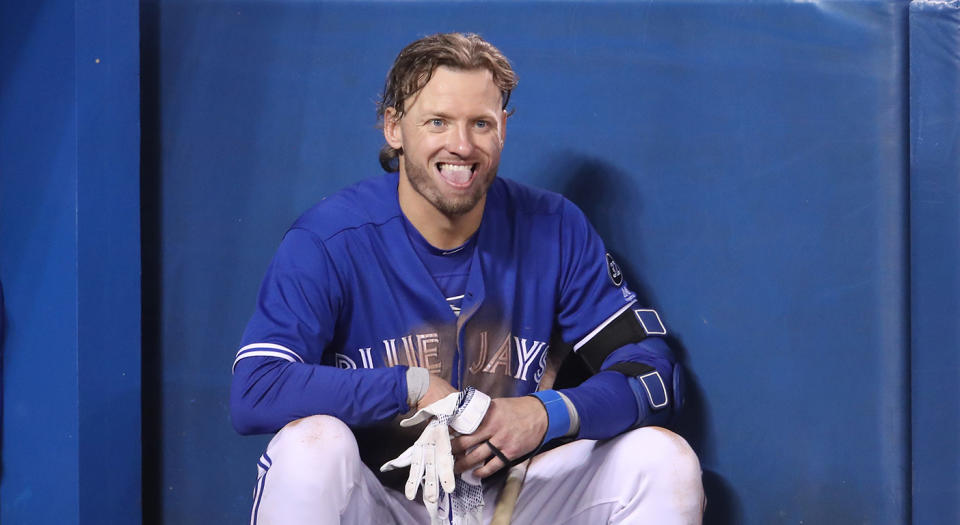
<point>574,416</point>
<point>558,416</point>
<point>418,381</point>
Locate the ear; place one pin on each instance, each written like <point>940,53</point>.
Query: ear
<point>503,128</point>
<point>391,129</point>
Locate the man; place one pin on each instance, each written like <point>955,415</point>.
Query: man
<point>393,294</point>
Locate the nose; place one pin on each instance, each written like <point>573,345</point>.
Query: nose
<point>460,141</point>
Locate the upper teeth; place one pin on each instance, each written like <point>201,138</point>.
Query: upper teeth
<point>461,167</point>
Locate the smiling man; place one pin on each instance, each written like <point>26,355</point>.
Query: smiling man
<point>405,332</point>
<point>451,135</point>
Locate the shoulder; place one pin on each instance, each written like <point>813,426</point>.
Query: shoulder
<point>371,201</point>
<point>522,200</point>
<point>525,199</point>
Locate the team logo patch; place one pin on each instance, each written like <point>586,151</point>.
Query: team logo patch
<point>613,270</point>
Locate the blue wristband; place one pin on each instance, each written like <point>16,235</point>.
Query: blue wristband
<point>558,417</point>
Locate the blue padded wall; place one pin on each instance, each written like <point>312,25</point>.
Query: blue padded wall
<point>69,262</point>
<point>747,162</point>
<point>37,188</point>
<point>935,259</point>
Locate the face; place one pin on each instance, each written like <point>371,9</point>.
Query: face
<point>450,137</point>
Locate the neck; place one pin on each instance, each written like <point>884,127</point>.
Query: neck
<point>440,230</point>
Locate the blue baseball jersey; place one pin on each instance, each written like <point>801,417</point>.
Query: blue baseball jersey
<point>347,305</point>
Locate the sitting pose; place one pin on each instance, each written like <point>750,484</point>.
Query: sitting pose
<point>443,296</point>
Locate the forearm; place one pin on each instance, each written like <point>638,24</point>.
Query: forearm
<point>267,393</point>
<point>611,402</point>
<point>604,404</point>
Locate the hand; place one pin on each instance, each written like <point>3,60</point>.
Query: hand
<point>430,460</point>
<point>515,425</point>
<point>438,389</point>
<point>430,457</point>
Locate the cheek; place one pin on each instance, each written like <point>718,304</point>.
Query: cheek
<point>494,147</point>
<point>427,146</point>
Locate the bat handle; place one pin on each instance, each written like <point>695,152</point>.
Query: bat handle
<point>507,500</point>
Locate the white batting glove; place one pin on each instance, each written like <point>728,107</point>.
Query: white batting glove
<point>431,463</point>
<point>430,458</point>
<point>467,500</point>
<point>463,411</point>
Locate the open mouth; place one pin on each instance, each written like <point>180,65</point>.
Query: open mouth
<point>458,175</point>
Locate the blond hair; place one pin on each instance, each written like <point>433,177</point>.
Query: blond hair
<point>416,63</point>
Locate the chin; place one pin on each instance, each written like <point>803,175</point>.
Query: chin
<point>465,200</point>
<point>456,207</point>
<point>449,200</point>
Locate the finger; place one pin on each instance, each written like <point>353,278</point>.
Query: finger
<point>474,457</point>
<point>497,460</point>
<point>489,467</point>
<point>415,419</point>
<point>445,462</point>
<point>403,460</point>
<point>468,441</point>
<point>431,506</point>
<point>497,452</point>
<point>430,488</point>
<point>416,473</point>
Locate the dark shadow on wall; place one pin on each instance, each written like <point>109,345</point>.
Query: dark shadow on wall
<point>610,197</point>
<point>151,198</point>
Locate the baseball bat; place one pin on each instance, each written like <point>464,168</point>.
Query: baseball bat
<point>510,493</point>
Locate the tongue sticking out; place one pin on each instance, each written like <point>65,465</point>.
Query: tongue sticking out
<point>454,174</point>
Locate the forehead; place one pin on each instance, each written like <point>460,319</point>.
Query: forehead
<point>457,89</point>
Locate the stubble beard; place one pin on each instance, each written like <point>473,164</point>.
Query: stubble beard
<point>426,186</point>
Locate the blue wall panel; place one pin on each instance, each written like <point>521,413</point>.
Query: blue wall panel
<point>69,262</point>
<point>746,161</point>
<point>108,260</point>
<point>38,253</point>
<point>935,259</point>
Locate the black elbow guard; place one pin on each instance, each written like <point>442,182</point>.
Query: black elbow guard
<point>630,326</point>
<point>658,391</point>
<point>654,375</point>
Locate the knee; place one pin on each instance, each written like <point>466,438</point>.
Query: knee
<point>661,474</point>
<point>662,458</point>
<point>315,442</point>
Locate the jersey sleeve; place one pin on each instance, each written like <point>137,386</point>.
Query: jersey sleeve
<point>592,287</point>
<point>600,418</point>
<point>297,305</point>
<point>278,375</point>
<point>594,292</point>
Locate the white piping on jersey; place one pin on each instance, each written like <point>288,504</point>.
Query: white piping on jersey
<point>603,325</point>
<point>277,351</point>
<point>453,251</point>
<point>263,466</point>
<point>451,300</point>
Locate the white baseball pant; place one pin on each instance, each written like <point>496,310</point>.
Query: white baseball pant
<point>311,474</point>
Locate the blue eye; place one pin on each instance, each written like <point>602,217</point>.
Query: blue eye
<point>436,122</point>
<point>482,124</point>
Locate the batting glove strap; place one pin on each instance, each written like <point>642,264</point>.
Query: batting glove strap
<point>558,417</point>
<point>472,407</point>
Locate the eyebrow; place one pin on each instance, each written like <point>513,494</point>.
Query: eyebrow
<point>429,115</point>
